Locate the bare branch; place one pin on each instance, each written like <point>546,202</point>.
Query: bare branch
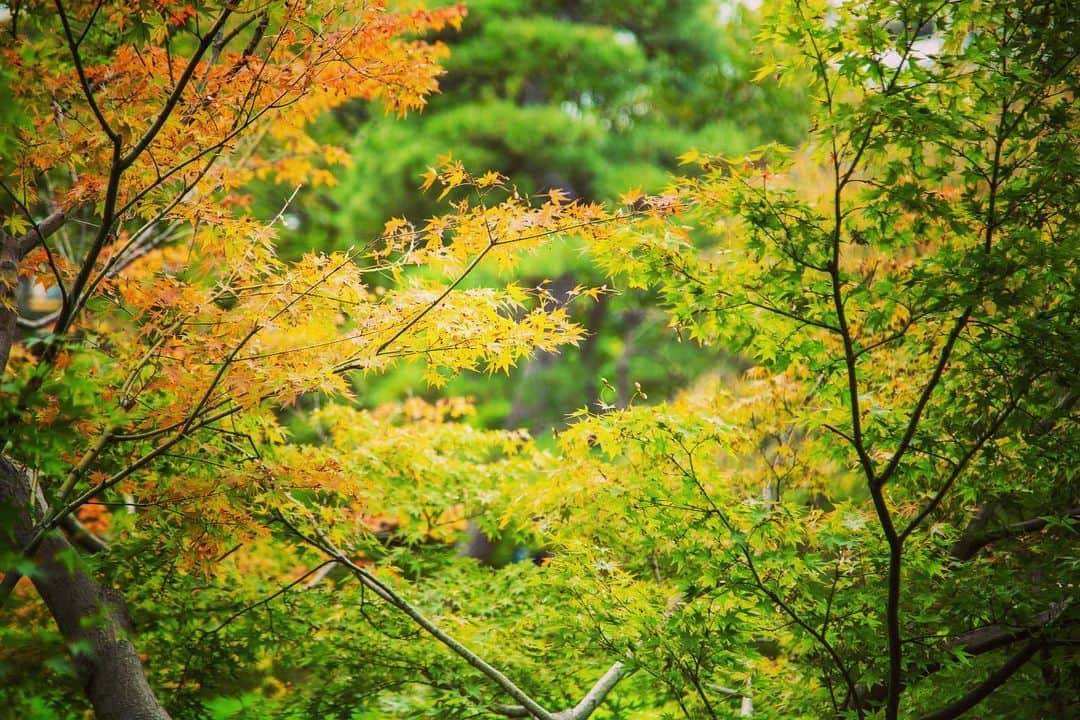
<point>588,704</point>
<point>82,536</point>
<point>324,570</point>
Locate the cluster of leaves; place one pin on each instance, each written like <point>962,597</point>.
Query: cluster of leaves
<point>179,332</point>
<point>583,97</point>
<point>876,512</point>
<point>909,272</point>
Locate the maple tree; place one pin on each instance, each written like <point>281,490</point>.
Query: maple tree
<point>588,97</point>
<point>138,129</point>
<point>875,514</point>
<point>866,499</point>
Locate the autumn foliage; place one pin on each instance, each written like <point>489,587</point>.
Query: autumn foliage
<point>875,507</point>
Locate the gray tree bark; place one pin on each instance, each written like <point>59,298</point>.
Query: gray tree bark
<point>9,281</point>
<point>111,673</point>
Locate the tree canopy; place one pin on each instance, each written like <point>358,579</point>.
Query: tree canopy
<point>863,502</point>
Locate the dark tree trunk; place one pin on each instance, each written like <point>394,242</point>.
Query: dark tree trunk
<point>9,282</point>
<point>84,611</point>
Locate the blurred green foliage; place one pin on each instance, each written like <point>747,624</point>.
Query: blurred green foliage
<point>593,98</point>
<point>589,97</point>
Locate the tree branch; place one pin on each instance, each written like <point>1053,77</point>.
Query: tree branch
<point>120,162</point>
<point>88,92</point>
<point>981,641</point>
<point>170,103</point>
<point>959,468</point>
<point>993,637</point>
<point>56,515</point>
<point>387,594</point>
<point>1062,410</point>
<point>41,231</point>
<point>82,536</point>
<point>110,671</point>
<point>980,692</point>
<point>818,635</point>
<point>970,543</point>
<point>924,397</point>
<point>9,283</point>
<point>583,709</point>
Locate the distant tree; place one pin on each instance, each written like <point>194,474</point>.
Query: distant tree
<point>591,98</point>
<point>580,96</point>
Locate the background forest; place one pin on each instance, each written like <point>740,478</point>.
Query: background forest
<point>594,99</point>
<point>545,360</point>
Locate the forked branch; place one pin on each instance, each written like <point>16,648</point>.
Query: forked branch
<point>527,707</point>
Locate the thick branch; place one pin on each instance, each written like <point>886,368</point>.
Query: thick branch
<point>82,536</point>
<point>588,704</point>
<point>41,231</point>
<point>968,545</point>
<point>987,639</point>
<point>9,282</point>
<point>984,640</point>
<point>982,690</point>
